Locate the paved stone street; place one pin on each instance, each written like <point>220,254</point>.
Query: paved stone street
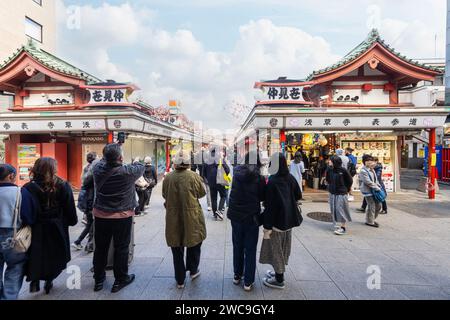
<point>412,251</point>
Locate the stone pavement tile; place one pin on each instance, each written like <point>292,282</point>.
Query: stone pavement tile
<point>414,245</point>
<point>384,244</point>
<point>346,272</point>
<point>321,242</point>
<point>410,258</point>
<point>438,244</point>
<point>318,290</point>
<point>166,268</point>
<point>359,291</point>
<point>308,270</point>
<point>372,256</point>
<point>438,276</point>
<point>209,286</point>
<point>398,274</point>
<point>333,255</point>
<point>161,289</point>
<point>423,292</point>
<point>234,292</point>
<point>353,243</point>
<point>438,258</point>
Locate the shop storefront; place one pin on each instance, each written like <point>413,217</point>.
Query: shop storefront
<point>354,103</point>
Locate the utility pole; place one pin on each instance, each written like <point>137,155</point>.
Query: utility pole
<point>447,58</point>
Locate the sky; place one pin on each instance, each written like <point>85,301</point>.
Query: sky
<point>209,53</point>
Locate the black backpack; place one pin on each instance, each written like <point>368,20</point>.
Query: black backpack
<point>351,168</point>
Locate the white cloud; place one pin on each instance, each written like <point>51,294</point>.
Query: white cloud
<point>120,43</point>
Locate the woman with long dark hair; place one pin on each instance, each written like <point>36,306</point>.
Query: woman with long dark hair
<point>50,246</point>
<point>280,216</point>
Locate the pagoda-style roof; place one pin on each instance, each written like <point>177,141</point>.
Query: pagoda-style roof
<point>373,40</point>
<point>51,62</point>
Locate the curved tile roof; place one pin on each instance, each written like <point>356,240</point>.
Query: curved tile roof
<point>362,48</point>
<point>52,62</point>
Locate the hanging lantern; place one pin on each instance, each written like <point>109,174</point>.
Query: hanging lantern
<point>308,139</point>
<point>323,141</point>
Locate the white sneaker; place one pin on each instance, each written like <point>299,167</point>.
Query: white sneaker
<point>77,247</point>
<point>219,215</point>
<point>270,274</point>
<point>209,209</point>
<point>340,232</point>
<point>195,275</point>
<point>180,286</point>
<point>248,288</point>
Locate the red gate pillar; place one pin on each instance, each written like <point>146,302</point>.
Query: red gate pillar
<point>432,164</point>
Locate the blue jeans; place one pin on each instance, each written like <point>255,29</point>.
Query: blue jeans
<point>245,241</point>
<point>15,268</point>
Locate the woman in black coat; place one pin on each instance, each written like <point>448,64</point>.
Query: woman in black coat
<point>280,216</point>
<point>50,245</point>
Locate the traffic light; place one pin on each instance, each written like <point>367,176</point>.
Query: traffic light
<point>121,137</point>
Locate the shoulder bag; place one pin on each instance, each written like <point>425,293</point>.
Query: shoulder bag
<point>378,195</point>
<point>22,237</point>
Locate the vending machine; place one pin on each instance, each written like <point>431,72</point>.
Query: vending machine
<point>27,154</point>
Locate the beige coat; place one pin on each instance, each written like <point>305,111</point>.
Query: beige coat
<point>185,222</point>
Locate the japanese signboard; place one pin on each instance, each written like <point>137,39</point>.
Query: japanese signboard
<point>282,94</point>
<point>27,125</point>
<point>108,96</point>
<point>374,122</point>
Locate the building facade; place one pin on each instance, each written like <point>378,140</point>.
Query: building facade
<point>25,19</point>
<point>367,101</point>
<point>63,112</point>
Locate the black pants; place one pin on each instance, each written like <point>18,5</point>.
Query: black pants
<point>364,205</point>
<point>149,195</point>
<point>88,229</point>
<point>143,196</point>
<point>119,231</point>
<point>192,262</point>
<point>218,189</point>
<point>245,241</point>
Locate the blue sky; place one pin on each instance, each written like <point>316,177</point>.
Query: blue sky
<point>208,53</point>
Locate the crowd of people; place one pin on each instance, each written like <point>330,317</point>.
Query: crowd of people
<point>113,193</point>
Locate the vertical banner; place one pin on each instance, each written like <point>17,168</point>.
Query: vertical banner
<point>161,157</point>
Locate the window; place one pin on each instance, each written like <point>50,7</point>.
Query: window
<point>33,29</point>
<point>39,2</point>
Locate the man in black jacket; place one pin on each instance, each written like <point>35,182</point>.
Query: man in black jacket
<point>114,205</point>
<point>210,172</point>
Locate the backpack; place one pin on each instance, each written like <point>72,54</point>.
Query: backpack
<point>351,168</point>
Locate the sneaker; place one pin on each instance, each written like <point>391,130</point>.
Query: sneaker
<point>340,232</point>
<point>77,247</point>
<point>195,275</point>
<point>209,209</point>
<point>270,274</point>
<point>139,214</point>
<point>180,286</point>
<point>383,212</point>
<point>122,284</point>
<point>237,280</point>
<point>248,288</point>
<point>374,225</point>
<point>273,283</point>
<point>361,210</point>
<point>219,215</point>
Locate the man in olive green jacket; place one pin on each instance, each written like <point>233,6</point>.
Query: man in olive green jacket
<point>185,222</point>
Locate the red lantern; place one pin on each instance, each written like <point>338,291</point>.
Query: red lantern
<point>367,87</point>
